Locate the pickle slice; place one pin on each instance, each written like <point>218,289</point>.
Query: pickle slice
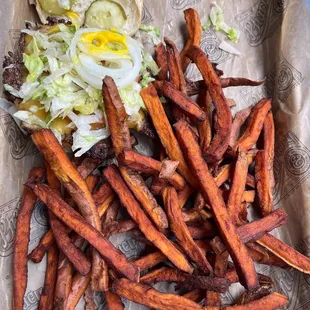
<point>105,14</point>
<point>52,7</point>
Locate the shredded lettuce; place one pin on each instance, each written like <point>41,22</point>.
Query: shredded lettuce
<point>132,99</point>
<point>207,25</point>
<point>30,118</point>
<point>217,20</point>
<point>149,67</point>
<point>34,65</point>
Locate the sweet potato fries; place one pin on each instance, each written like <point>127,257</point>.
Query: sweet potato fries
<point>188,202</point>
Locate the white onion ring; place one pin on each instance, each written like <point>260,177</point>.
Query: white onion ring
<point>96,81</point>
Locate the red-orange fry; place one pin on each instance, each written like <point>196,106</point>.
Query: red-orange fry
<point>75,221</point>
<point>47,295</point>
<point>114,302</point>
<point>161,60</point>
<point>210,191</point>
<point>223,120</point>
<point>255,125</point>
<point>21,241</point>
<point>151,233</point>
<point>181,231</point>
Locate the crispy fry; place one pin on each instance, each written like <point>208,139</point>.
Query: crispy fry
<point>267,258</point>
<point>193,88</point>
<point>185,103</point>
<point>118,227</point>
<point>129,202</point>
<point>223,120</point>
<point>286,253</point>
<point>255,125</point>
<point>168,169</point>
<point>150,260</point>
<point>273,301</point>
<point>161,60</point>
<point>181,231</point>
<point>237,185</point>
<point>269,136</point>
<point>204,127</point>
<point>87,166</point>
<point>146,295</point>
<point>201,232</point>
<point>63,282</point>
<point>60,231</point>
<point>239,120</point>
<point>196,295</point>
<point>194,34</point>
<point>210,191</point>
<point>79,285</point>
<point>45,243</point>
<point>135,182</point>
<point>47,295</point>
<point>89,299</point>
<point>21,241</point>
<point>112,211</point>
<point>76,222</point>
<point>113,301</point>
<point>165,131</point>
<point>184,195</point>
<point>158,185</point>
<point>248,297</point>
<point>100,197</point>
<point>250,181</point>
<point>254,230</point>
<point>247,196</point>
<point>220,266</point>
<point>174,65</point>
<point>116,115</point>
<point>92,181</point>
<point>262,176</point>
<point>167,274</point>
<point>64,170</point>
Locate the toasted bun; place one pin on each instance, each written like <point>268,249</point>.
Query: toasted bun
<point>132,9</point>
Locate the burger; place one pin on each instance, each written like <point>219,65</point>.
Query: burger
<point>54,77</point>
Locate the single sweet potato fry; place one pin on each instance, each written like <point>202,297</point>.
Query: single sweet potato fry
<point>150,260</point>
<point>196,295</point>
<point>135,182</point>
<point>263,183</point>
<point>168,274</point>
<point>188,106</point>
<point>237,185</point>
<point>194,34</point>
<point>47,294</point>
<point>286,253</point>
<point>113,301</point>
<point>255,125</point>
<point>254,230</point>
<point>237,81</point>
<point>161,60</point>
<point>248,297</point>
<point>223,120</point>
<point>87,166</point>
<point>273,301</point>
<point>269,136</point>
<point>63,281</point>
<point>145,164</point>
<point>118,227</point>
<point>168,169</point>
<point>75,221</point>
<point>165,132</point>
<point>250,181</point>
<point>59,162</point>
<point>21,241</point>
<point>89,299</point>
<point>239,119</point>
<point>146,295</point>
<point>210,191</point>
<point>79,285</point>
<point>151,233</point>
<point>116,115</point>
<point>220,266</point>
<point>37,254</point>
<point>184,195</point>
<point>175,67</point>
<point>181,231</point>
<point>204,127</point>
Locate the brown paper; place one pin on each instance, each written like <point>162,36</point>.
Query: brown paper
<point>275,44</point>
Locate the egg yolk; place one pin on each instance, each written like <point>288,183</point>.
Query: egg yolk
<point>105,41</point>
